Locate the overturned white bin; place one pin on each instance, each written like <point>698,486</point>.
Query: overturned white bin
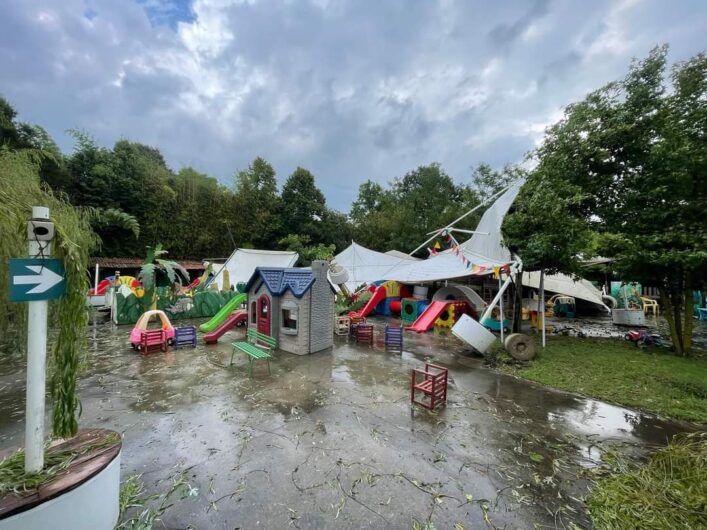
<point>473,333</point>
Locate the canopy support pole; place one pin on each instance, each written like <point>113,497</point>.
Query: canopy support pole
<point>498,296</point>
<point>450,225</point>
<point>500,305</point>
<point>542,303</point>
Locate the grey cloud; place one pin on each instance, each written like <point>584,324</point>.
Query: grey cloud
<point>506,34</point>
<point>351,91</point>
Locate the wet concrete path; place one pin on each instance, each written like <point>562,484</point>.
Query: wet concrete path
<point>330,440</point>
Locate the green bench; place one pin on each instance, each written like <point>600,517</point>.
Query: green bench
<point>258,346</point>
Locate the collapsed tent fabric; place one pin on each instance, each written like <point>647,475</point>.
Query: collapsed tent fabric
<point>365,265</point>
<point>401,255</point>
<point>483,251</point>
<point>242,263</point>
<point>566,285</point>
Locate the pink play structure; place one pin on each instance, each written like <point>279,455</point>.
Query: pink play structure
<point>144,320</point>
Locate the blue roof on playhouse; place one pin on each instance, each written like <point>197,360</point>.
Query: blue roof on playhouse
<point>278,280</point>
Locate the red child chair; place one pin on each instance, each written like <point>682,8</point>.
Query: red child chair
<point>433,384</point>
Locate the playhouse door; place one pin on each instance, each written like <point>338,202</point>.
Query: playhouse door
<point>264,315</point>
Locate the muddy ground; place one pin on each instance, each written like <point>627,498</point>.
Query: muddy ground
<point>330,440</point>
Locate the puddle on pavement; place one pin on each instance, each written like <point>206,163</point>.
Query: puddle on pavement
<point>332,435</point>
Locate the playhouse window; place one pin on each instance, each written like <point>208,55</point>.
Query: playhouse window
<point>253,313</point>
<point>289,318</point>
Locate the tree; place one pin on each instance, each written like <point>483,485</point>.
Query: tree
<point>487,182</point>
<point>629,163</point>
<point>307,252</point>
<point>257,203</point>
<point>9,137</point>
<point>303,206</point>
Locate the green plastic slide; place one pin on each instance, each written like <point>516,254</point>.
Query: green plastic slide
<point>233,304</point>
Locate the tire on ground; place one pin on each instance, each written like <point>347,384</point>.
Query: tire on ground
<point>521,347</point>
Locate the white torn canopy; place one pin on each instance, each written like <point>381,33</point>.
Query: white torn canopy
<point>365,265</point>
<point>563,284</point>
<point>483,251</point>
<point>242,263</point>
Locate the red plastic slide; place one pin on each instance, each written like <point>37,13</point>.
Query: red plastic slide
<point>379,295</point>
<point>231,322</point>
<point>102,286</point>
<point>428,317</point>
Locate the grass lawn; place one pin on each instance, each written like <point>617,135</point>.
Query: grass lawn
<point>653,380</point>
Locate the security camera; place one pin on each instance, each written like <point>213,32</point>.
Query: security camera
<point>40,230</point>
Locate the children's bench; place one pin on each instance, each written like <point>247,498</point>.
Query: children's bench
<point>364,333</point>
<point>393,337</point>
<point>153,340</point>
<point>258,346</point>
<point>185,336</point>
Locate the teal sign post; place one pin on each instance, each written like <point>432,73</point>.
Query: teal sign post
<point>36,279</point>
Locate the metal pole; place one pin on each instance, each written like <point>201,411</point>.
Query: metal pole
<point>542,303</point>
<point>435,232</point>
<point>500,304</point>
<point>493,303</point>
<point>95,281</point>
<point>36,363</point>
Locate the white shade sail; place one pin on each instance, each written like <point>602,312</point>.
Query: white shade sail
<point>365,265</point>
<point>563,284</point>
<point>483,251</point>
<point>242,263</point>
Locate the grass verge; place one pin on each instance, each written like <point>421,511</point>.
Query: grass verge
<point>667,491</point>
<point>613,370</point>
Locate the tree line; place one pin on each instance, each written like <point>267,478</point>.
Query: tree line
<point>137,201</point>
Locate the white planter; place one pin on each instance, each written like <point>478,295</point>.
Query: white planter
<point>628,317</point>
<point>93,505</point>
<point>473,333</point>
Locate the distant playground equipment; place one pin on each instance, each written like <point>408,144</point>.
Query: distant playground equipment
<point>461,292</point>
<point>236,319</point>
<point>385,300</point>
<point>193,300</point>
<point>130,281</point>
<point>412,308</point>
<point>650,305</point>
<point>228,317</point>
<point>494,323</point>
<point>443,314</point>
<point>448,305</point>
<point>140,336</point>
<point>561,306</point>
<point>184,336</point>
<point>629,305</point>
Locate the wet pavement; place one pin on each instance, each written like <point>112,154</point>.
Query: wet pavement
<point>330,440</point>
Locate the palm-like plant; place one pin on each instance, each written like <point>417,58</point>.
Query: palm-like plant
<point>148,274</point>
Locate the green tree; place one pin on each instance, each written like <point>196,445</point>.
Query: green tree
<point>257,205</point>
<point>307,252</point>
<point>303,206</point>
<point>487,182</point>
<point>629,162</point>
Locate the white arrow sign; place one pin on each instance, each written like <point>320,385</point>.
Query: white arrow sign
<point>44,277</point>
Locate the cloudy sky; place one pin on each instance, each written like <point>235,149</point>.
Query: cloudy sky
<point>350,89</point>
